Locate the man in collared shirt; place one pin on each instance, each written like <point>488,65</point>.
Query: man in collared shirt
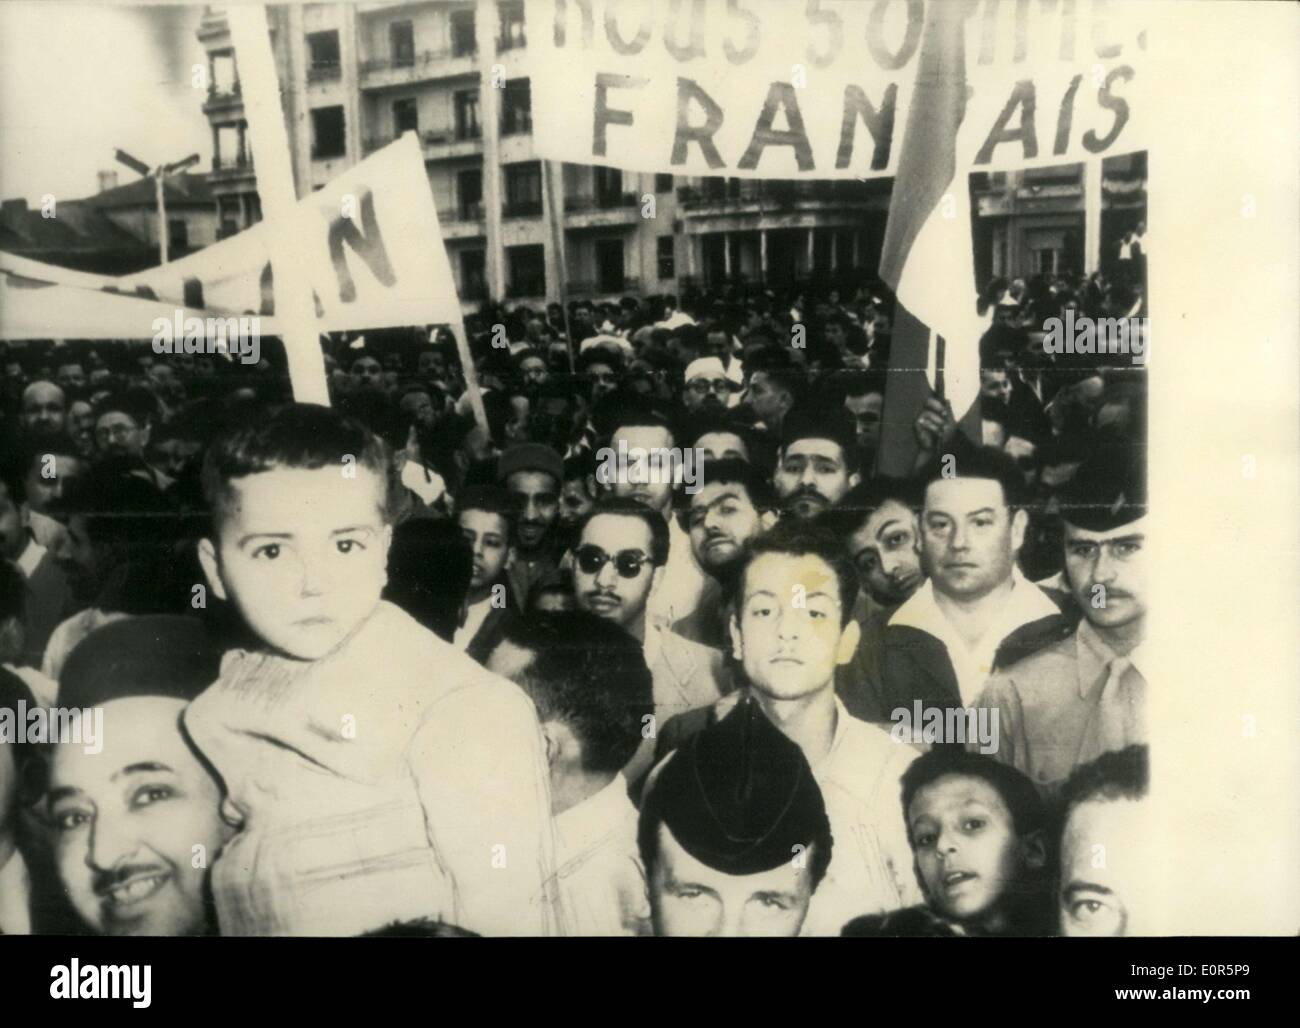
<point>792,628</point>
<point>977,612</point>
<point>621,552</point>
<point>594,697</point>
<point>1084,696</point>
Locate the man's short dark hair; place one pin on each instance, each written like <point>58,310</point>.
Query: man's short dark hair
<point>726,469</point>
<point>135,401</point>
<point>625,506</point>
<point>798,538</point>
<point>1028,811</point>
<point>969,461</point>
<point>864,499</point>
<point>591,675</point>
<point>430,565</point>
<point>704,422</point>
<point>297,435</point>
<point>1119,775</point>
<point>835,425</point>
<point>623,409</point>
<point>493,499</point>
<point>13,592</point>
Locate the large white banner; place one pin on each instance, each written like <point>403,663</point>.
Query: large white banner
<point>820,89</point>
<point>369,242</point>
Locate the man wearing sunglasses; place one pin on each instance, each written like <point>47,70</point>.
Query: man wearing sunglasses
<point>620,557</point>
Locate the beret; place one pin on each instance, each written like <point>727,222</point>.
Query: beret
<point>530,457</point>
<point>739,796</point>
<point>157,655</point>
<point>1106,492</point>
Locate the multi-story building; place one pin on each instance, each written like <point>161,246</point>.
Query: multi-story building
<point>354,77</point>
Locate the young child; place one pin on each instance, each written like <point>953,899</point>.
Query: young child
<point>378,774</point>
<point>977,830</point>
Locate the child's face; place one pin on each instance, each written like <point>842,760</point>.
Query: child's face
<point>965,846</point>
<point>302,554</point>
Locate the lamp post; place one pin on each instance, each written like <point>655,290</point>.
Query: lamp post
<point>159,175</point>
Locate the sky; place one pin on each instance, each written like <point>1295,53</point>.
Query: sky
<point>78,80</point>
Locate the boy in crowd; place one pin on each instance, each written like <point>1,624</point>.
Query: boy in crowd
<point>485,515</point>
<point>977,830</point>
<point>792,628</point>
<point>734,833</point>
<point>594,697</point>
<point>380,774</point>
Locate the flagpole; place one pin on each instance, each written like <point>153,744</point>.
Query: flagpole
<point>553,208</point>
<point>293,299</point>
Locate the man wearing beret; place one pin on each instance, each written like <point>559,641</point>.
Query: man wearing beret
<point>1084,696</point>
<point>138,824</point>
<point>733,832</point>
<point>532,473</point>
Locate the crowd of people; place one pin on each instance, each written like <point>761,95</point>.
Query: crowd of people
<point>617,635</point>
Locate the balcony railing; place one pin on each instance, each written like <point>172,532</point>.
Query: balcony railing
<point>464,214</point>
<point>463,133</point>
<point>595,287</point>
<point>775,193</point>
<point>421,62</point>
<point>600,201</point>
<point>230,166</point>
<point>522,209</point>
<point>324,72</point>
<point>528,287</point>
<point>218,95</point>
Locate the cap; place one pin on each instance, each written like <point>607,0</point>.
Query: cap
<point>530,457</point>
<point>1106,492</point>
<point>702,366</point>
<point>739,796</point>
<point>157,655</point>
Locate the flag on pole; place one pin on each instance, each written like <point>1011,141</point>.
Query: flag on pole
<point>927,257</point>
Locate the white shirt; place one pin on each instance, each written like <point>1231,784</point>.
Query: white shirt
<point>15,897</point>
<point>45,690</point>
<point>871,860</point>
<point>678,592</point>
<point>973,664</point>
<point>30,558</point>
<point>474,618</point>
<point>602,884</point>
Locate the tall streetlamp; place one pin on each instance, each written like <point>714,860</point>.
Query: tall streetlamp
<point>159,175</point>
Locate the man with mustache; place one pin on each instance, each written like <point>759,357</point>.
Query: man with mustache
<point>977,612</point>
<point>620,557</point>
<point>817,463</point>
<point>732,506</point>
<point>1085,695</point>
<point>532,474</point>
<point>138,824</point>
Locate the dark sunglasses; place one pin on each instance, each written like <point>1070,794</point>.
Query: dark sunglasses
<point>627,563</point>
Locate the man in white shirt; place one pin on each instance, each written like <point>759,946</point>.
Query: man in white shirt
<point>594,698</point>
<point>793,627</point>
<point>977,612</point>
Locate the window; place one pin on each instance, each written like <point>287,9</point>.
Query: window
<point>473,274</point>
<point>469,194</point>
<point>609,187</point>
<point>224,79</point>
<point>609,265</point>
<point>178,235</point>
<point>406,117</point>
<point>463,43</point>
<point>664,251</point>
<point>401,39</point>
<point>527,270</point>
<point>663,183</point>
<point>466,102</point>
<point>327,132</point>
<point>523,190</point>
<point>517,108</point>
<point>512,25</point>
<point>323,48</point>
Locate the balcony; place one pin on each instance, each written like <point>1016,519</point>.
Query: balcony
<point>331,72</point>
<point>230,168</point>
<point>522,209</point>
<point>529,288</point>
<point>382,72</point>
<point>463,222</point>
<point>601,210</point>
<point>223,99</point>
<point>586,288</point>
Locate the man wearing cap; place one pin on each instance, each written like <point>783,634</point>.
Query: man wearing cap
<point>532,474</point>
<point>138,823</point>
<point>1085,695</point>
<point>734,833</point>
<point>708,386</point>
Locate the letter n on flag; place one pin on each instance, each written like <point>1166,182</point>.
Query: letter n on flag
<point>927,256</point>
